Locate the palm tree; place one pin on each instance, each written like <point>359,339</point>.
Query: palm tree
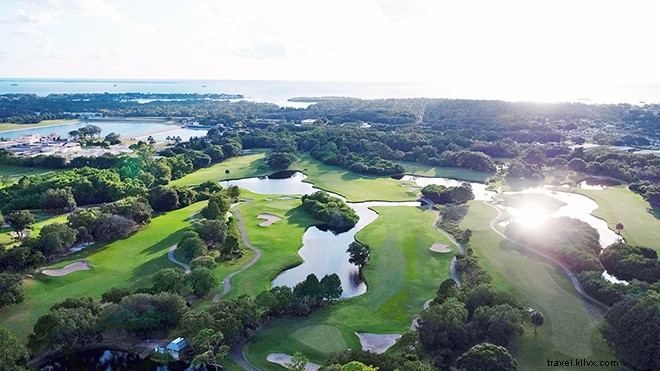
<point>619,228</point>
<point>537,320</point>
<point>227,173</point>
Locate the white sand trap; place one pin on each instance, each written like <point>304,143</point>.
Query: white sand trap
<point>284,359</point>
<point>287,198</point>
<point>377,343</point>
<point>270,219</point>
<point>73,267</point>
<point>440,247</point>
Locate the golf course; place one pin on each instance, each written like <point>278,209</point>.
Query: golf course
<point>402,274</point>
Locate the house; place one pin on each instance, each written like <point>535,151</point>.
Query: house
<point>175,348</point>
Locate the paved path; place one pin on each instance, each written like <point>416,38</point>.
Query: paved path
<point>236,354</point>
<point>226,282</point>
<point>170,255</point>
<point>600,307</point>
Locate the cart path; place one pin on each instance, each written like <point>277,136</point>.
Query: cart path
<point>226,282</point>
<point>170,255</point>
<point>600,307</point>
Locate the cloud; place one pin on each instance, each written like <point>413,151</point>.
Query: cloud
<point>48,11</point>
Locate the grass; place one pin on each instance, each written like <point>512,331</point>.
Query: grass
<point>443,172</point>
<point>355,187</point>
<point>401,276</point>
<point>41,219</point>
<point>125,263</point>
<point>570,329</point>
<point>18,171</point>
<point>279,242</point>
<point>247,165</point>
<point>5,127</point>
<point>620,205</point>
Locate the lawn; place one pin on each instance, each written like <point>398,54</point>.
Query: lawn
<point>18,171</point>
<point>620,205</point>
<point>248,165</point>
<point>41,219</point>
<point>570,329</point>
<point>279,242</point>
<point>355,187</point>
<point>401,276</point>
<point>444,172</point>
<point>5,127</point>
<point>125,263</point>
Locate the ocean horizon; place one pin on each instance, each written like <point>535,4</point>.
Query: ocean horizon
<point>280,91</point>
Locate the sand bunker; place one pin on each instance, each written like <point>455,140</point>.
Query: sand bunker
<point>287,198</point>
<point>73,267</point>
<point>440,247</point>
<point>377,343</point>
<point>285,359</point>
<point>270,219</point>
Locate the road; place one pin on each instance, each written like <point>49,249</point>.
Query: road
<point>600,308</point>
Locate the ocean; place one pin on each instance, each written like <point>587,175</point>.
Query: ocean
<point>279,92</point>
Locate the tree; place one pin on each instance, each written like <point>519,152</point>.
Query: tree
<point>202,281</point>
<point>487,356</point>
<point>234,192</point>
<point>59,201</point>
<point>619,228</point>
<point>298,362</point>
<point>280,160</point>
<point>164,199</point>
<point>357,366</point>
<point>115,295</point>
<point>230,247</point>
<point>537,320</point>
<point>55,238</point>
<point>330,286</point>
<point>5,180</point>
<point>11,289</point>
<point>13,354</point>
<point>217,208</point>
<point>212,231</point>
<point>110,227</point>
<point>113,138</point>
<point>20,221</point>
<point>210,341</point>
<point>227,174</point>
<point>168,279</point>
<point>359,254</point>
<point>192,248</point>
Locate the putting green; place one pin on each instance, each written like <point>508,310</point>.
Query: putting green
<point>325,338</point>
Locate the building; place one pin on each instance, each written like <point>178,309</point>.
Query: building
<point>175,348</point>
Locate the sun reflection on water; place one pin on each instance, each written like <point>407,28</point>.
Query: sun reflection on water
<point>530,215</point>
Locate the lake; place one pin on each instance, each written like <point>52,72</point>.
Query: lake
<point>127,129</point>
<point>279,92</point>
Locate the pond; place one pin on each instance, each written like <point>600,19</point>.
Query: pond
<point>323,251</point>
<point>575,206</point>
<point>127,129</point>
<point>109,360</point>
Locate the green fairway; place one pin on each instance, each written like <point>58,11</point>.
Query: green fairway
<point>6,126</point>
<point>620,205</point>
<point>402,274</point>
<point>279,242</point>
<point>125,263</point>
<point>18,171</point>
<point>248,165</point>
<point>569,329</point>
<point>41,219</point>
<point>443,172</point>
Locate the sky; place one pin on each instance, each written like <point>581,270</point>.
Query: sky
<point>492,42</point>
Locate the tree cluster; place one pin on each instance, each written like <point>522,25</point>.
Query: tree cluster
<point>330,210</point>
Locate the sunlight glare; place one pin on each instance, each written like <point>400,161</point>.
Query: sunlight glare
<point>531,215</point>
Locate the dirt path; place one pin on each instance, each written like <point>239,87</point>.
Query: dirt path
<point>170,255</point>
<point>226,282</point>
<point>600,307</point>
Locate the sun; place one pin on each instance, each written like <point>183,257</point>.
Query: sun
<point>530,215</point>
